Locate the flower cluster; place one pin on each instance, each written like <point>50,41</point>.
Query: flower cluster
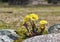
<point>32,18</point>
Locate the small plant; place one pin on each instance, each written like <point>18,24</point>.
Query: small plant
<point>30,24</point>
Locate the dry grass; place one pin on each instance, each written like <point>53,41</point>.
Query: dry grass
<point>15,14</point>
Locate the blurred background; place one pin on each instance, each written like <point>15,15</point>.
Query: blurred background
<point>16,10</point>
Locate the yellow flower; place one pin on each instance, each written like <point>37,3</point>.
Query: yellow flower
<point>34,16</point>
<point>27,18</point>
<point>43,22</point>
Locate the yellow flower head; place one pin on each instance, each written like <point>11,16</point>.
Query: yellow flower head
<point>34,16</point>
<point>27,18</point>
<point>43,22</point>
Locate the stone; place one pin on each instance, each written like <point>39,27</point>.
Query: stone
<point>45,38</point>
<point>54,28</point>
<point>8,35</point>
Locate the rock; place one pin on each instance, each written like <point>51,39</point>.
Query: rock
<point>45,38</point>
<point>5,38</point>
<point>8,35</point>
<point>54,29</point>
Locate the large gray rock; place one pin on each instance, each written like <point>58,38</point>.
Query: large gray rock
<point>45,38</point>
<point>8,35</point>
